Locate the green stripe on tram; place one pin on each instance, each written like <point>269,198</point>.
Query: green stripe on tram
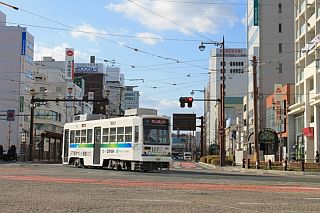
<point>90,145</point>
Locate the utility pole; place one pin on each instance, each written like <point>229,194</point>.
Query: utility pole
<point>255,109</point>
<point>222,124</point>
<point>32,92</point>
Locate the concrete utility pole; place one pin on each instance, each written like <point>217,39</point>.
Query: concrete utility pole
<point>255,109</point>
<point>32,92</point>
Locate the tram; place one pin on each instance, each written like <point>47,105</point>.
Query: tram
<point>140,140</point>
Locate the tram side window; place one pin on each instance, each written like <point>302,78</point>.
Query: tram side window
<point>128,134</point>
<point>77,138</point>
<point>72,136</point>
<point>120,134</point>
<point>89,135</point>
<point>136,134</point>
<point>83,136</point>
<point>105,135</point>
<point>113,135</point>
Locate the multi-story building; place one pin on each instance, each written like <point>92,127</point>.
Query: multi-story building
<point>131,98</point>
<point>16,62</point>
<point>94,76</point>
<point>305,112</point>
<point>115,88</point>
<point>277,119</point>
<point>236,81</point>
<point>270,38</point>
<point>50,117</point>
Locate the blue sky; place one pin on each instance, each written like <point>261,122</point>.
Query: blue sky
<point>165,33</point>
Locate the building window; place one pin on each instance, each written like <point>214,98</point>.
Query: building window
<point>280,8</point>
<point>279,68</point>
<point>280,28</point>
<point>280,47</point>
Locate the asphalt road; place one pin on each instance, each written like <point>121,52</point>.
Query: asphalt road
<point>57,188</point>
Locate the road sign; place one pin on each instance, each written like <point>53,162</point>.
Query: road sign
<point>184,122</point>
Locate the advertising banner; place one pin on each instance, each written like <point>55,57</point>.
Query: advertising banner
<point>69,64</point>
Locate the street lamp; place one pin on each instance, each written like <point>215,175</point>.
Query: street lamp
<point>8,5</point>
<point>222,101</point>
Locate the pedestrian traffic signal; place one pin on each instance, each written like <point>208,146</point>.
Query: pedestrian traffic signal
<point>10,114</point>
<point>186,100</point>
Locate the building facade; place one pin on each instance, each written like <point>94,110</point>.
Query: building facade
<point>16,78</point>
<point>94,76</point>
<point>115,87</point>
<point>305,111</point>
<point>131,98</point>
<point>270,38</point>
<point>236,81</point>
<point>277,119</point>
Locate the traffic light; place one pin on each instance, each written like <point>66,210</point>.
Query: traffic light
<point>10,114</point>
<point>186,100</point>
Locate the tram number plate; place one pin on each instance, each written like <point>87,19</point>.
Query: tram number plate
<point>156,149</point>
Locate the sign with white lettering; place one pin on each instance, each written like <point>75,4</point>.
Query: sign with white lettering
<point>69,64</point>
<point>88,68</point>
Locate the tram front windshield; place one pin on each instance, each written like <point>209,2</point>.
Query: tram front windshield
<point>156,132</point>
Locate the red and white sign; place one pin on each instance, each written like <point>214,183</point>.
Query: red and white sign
<point>69,64</point>
<point>69,52</point>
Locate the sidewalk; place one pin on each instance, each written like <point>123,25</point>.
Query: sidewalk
<point>256,171</point>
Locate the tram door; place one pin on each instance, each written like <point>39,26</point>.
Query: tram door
<point>66,146</point>
<point>96,147</point>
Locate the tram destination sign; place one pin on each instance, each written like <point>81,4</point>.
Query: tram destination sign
<point>184,122</point>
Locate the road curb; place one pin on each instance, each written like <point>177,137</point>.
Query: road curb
<point>257,171</point>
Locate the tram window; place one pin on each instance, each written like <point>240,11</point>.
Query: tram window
<point>83,136</point>
<point>113,134</point>
<point>164,136</point>
<point>136,134</point>
<point>120,134</point>
<point>128,134</point>
<point>89,135</point>
<point>77,138</point>
<point>72,136</point>
<point>105,135</point>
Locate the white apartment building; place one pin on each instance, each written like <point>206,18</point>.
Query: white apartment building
<point>236,81</point>
<point>16,62</point>
<point>305,113</point>
<point>131,98</point>
<point>270,37</point>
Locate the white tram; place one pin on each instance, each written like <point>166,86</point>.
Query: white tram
<point>141,140</point>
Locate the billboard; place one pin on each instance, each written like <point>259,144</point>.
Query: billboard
<point>89,68</point>
<point>185,122</point>
<point>69,64</point>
